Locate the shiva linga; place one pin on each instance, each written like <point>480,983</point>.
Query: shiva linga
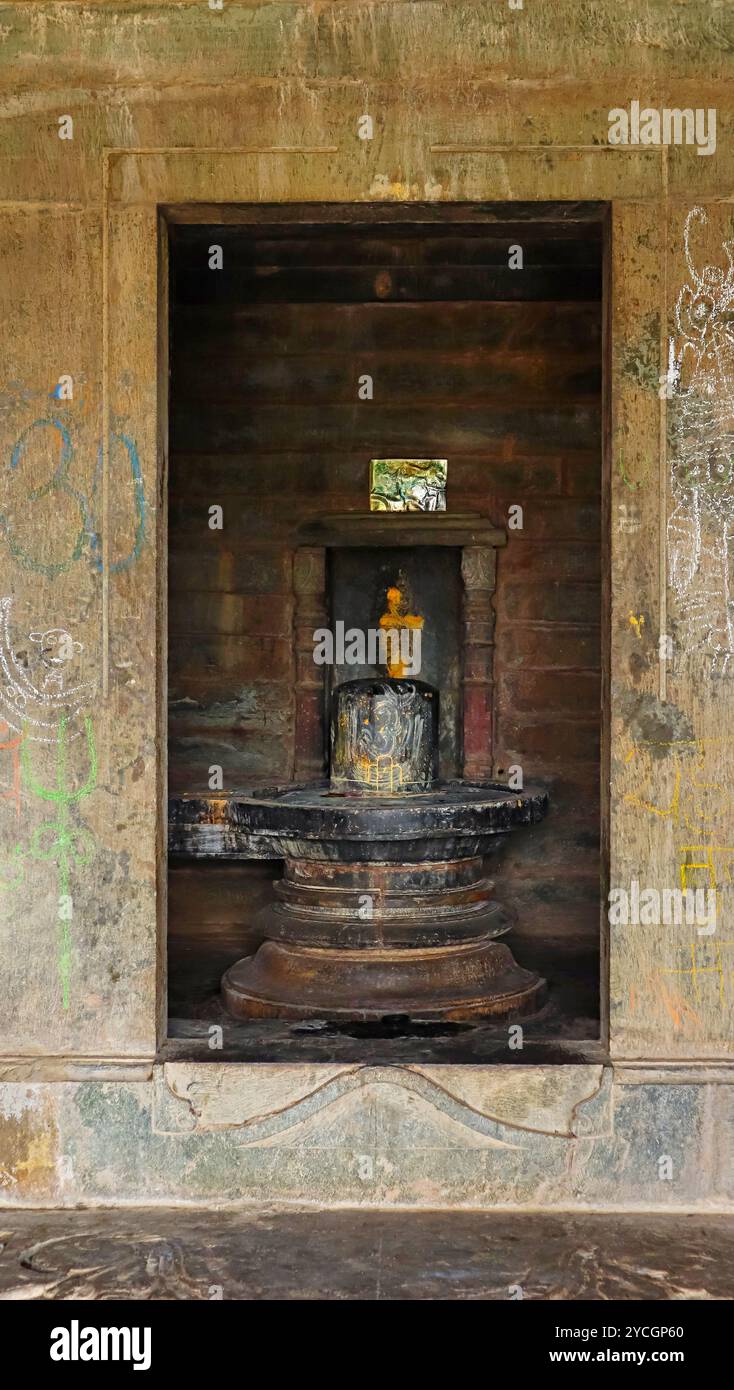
<point>385,906</point>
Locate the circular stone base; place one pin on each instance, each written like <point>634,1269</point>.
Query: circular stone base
<point>476,979</point>
<point>384,907</point>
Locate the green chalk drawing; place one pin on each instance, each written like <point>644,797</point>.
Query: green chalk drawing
<point>623,474</point>
<point>59,840</point>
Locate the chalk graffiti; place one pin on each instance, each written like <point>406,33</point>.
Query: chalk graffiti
<point>58,840</point>
<point>58,483</point>
<point>116,566</point>
<point>712,862</point>
<point>87,531</point>
<point>700,527</point>
<point>623,475</point>
<point>690,788</point>
<point>11,746</point>
<point>702,974</point>
<point>57,648</point>
<point>658,1000</point>
<point>706,964</point>
<point>43,703</point>
<point>629,519</point>
<point>36,707</point>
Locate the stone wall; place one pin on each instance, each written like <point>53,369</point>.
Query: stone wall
<point>177,104</point>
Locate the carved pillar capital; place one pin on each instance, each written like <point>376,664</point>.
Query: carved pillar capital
<point>479,567</point>
<point>309,570</point>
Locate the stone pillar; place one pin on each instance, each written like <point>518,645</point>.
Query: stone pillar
<point>478,572</point>
<point>309,588</point>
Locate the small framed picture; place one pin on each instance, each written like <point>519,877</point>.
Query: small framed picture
<point>408,485</point>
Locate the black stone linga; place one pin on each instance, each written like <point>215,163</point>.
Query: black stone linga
<point>384,736</point>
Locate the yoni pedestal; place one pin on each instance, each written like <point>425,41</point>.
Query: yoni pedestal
<point>384,906</point>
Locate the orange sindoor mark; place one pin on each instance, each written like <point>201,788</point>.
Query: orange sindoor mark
<point>394,620</point>
<point>12,746</point>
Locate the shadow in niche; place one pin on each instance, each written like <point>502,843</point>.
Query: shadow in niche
<point>391,1026</point>
<point>501,374</point>
<point>558,1033</point>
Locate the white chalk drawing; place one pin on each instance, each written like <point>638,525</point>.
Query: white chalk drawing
<point>37,694</point>
<point>701,443</point>
<point>56,651</point>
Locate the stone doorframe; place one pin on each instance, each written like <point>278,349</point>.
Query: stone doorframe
<point>145,188</point>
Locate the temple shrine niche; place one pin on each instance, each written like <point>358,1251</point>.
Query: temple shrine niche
<point>367,781</point>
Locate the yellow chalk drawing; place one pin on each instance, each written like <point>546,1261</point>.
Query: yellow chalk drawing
<point>688,786</point>
<point>382,773</point>
<point>706,971</point>
<point>687,789</point>
<point>637,622</point>
<point>716,869</point>
<point>691,789</point>
<point>707,962</point>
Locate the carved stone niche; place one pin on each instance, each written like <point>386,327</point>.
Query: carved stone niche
<point>478,541</point>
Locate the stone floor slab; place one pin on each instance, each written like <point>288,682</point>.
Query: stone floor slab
<point>258,1254</point>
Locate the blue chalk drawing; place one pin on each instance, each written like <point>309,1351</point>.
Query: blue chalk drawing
<point>116,566</point>
<point>88,533</point>
<point>58,482</point>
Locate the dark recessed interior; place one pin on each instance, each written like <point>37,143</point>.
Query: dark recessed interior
<point>499,371</point>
